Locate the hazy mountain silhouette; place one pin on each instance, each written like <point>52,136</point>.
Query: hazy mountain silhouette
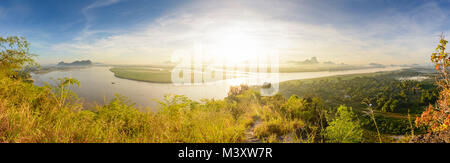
<point>76,63</point>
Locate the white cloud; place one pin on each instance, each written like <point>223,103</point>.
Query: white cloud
<point>89,18</point>
<point>100,3</point>
<point>393,37</point>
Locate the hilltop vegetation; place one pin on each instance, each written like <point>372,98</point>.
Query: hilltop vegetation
<point>384,91</point>
<point>437,117</point>
<point>30,113</point>
<point>346,109</point>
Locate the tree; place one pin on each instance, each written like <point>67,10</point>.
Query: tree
<point>438,117</point>
<point>62,92</point>
<point>15,56</point>
<point>310,110</point>
<point>345,128</point>
<point>393,105</point>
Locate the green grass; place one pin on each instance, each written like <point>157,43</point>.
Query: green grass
<point>148,74</point>
<point>162,74</point>
<point>336,77</point>
<point>54,114</point>
<point>36,115</point>
<point>143,74</point>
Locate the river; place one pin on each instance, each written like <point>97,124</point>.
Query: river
<point>99,85</point>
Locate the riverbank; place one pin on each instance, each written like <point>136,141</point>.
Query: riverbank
<point>154,74</point>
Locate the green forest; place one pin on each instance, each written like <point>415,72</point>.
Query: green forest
<point>360,108</point>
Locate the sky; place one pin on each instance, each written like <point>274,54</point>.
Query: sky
<point>148,32</point>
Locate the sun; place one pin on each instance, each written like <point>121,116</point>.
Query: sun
<point>234,46</point>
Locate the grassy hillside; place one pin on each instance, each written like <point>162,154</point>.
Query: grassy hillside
<point>47,114</point>
<point>345,109</point>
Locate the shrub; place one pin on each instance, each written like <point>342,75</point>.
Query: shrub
<point>345,128</point>
<point>437,117</point>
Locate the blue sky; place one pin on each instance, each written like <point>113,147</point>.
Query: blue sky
<point>148,31</point>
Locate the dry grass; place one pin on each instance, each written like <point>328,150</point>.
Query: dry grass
<point>32,114</point>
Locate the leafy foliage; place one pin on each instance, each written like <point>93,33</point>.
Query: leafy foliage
<point>309,112</point>
<point>31,114</point>
<point>438,117</point>
<point>15,56</point>
<point>345,128</point>
<point>387,125</point>
<point>384,91</point>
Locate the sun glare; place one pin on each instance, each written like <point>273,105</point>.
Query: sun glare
<point>234,47</point>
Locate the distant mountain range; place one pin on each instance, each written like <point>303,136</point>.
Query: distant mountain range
<point>377,65</point>
<point>312,61</point>
<point>76,63</point>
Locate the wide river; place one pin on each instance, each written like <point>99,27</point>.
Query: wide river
<point>97,85</point>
